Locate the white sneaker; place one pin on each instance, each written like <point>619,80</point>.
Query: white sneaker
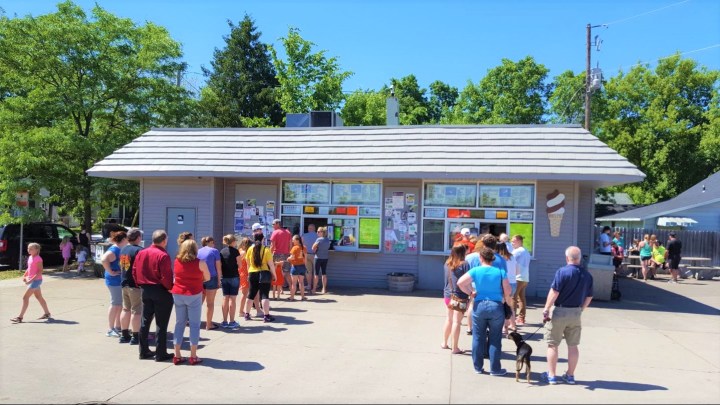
<point>112,333</point>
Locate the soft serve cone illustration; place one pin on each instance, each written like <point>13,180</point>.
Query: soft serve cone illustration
<point>555,211</point>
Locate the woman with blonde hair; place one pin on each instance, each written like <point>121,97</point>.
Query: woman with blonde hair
<point>187,291</point>
<point>645,255</point>
<point>231,262</point>
<point>455,267</point>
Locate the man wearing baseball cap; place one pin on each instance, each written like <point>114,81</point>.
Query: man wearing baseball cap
<point>464,239</point>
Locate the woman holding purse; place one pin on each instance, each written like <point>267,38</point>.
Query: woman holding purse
<point>456,300</point>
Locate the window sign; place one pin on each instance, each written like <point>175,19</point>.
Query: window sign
<point>434,213</point>
<point>369,233</point>
<point>450,195</point>
<point>526,230</point>
<point>306,193</point>
<point>507,196</point>
<point>356,193</point>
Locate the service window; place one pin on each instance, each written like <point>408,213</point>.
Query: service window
<point>351,211</point>
<point>481,207</point>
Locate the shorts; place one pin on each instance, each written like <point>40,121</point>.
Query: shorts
<point>643,258</point>
<point>211,284</point>
<point>513,286</point>
<point>565,323</point>
<point>282,258</point>
<point>674,262</point>
<point>35,284</point>
<point>132,300</point>
<point>230,285</point>
<point>321,267</point>
<point>115,295</point>
<point>298,270</point>
<point>310,263</point>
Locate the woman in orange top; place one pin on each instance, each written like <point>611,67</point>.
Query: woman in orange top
<point>298,269</point>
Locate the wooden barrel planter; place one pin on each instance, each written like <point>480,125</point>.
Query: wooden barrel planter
<point>401,282</point>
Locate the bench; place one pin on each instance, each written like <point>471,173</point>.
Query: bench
<point>704,272</point>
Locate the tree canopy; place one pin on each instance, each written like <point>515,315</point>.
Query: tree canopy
<point>76,88</point>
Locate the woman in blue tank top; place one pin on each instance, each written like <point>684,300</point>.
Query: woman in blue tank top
<point>645,255</point>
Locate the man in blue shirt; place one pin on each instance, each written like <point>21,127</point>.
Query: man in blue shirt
<point>570,293</point>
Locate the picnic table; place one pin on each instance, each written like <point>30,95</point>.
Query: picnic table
<point>699,269</point>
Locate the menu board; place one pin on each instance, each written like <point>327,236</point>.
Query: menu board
<point>369,233</point>
<point>356,193</point>
<point>506,196</point>
<point>450,195</point>
<point>306,193</point>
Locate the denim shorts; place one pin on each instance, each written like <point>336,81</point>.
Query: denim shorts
<point>298,270</point>
<point>230,285</point>
<point>211,284</point>
<point>34,284</point>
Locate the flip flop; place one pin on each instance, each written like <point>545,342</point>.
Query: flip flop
<point>445,347</point>
<point>459,352</point>
<point>213,327</point>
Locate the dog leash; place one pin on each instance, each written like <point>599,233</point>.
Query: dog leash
<point>536,331</point>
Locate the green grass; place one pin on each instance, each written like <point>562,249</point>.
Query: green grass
<point>8,274</point>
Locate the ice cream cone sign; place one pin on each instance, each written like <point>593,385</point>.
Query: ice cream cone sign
<point>555,211</point>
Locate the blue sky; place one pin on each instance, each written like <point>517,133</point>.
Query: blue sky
<point>453,41</point>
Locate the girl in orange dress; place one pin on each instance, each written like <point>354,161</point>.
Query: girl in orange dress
<point>277,285</point>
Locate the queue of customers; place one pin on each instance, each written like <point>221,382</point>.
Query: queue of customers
<point>146,284</point>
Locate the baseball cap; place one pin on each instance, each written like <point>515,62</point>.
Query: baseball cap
<point>256,226</point>
<point>465,231</point>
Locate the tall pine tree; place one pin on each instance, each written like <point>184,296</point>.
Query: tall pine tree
<point>241,84</point>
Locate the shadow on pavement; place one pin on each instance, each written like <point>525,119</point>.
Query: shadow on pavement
<point>619,386</point>
<point>56,321</point>
<point>232,365</point>
<point>287,309</point>
<point>641,296</point>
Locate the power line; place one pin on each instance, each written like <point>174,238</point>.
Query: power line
<point>670,56</point>
<point>645,13</point>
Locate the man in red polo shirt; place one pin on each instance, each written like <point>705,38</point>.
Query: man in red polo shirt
<point>154,276</point>
<point>280,242</point>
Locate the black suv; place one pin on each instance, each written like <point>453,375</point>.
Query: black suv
<point>47,234</point>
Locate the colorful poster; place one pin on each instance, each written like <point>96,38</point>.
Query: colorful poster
<point>526,230</point>
<point>410,199</point>
<point>239,225</point>
<point>270,206</point>
<point>369,233</point>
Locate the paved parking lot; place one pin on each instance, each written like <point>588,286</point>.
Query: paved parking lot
<point>660,344</point>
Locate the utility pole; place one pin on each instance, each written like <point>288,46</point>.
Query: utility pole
<point>587,81</point>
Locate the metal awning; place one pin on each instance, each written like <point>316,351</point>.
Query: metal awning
<point>675,221</point>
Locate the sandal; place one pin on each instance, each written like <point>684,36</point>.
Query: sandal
<point>46,316</point>
<point>458,352</point>
<point>194,360</point>
<point>304,299</point>
<point>213,327</point>
<point>17,319</point>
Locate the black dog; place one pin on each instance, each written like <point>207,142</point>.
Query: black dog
<point>524,351</point>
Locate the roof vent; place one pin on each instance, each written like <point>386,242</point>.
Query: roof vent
<point>314,119</point>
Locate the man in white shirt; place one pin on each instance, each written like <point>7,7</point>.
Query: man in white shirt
<point>522,257</point>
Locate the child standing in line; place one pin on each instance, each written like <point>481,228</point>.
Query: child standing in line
<point>33,279</point>
<point>277,285</point>
<point>66,248</point>
<point>81,254</point>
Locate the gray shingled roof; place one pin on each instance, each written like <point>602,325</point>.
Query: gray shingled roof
<point>431,152</point>
<point>703,193</point>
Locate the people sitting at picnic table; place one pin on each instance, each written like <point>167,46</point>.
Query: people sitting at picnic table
<point>618,254</point>
<point>658,258</point>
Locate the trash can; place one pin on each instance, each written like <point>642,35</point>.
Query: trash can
<point>98,250</point>
<point>601,268</point>
<point>401,282</point>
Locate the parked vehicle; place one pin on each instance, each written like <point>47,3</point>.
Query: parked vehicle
<point>48,235</point>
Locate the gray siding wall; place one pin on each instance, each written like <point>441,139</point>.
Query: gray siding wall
<point>361,269</point>
<point>218,211</point>
<point>550,251</point>
<point>159,194</point>
<point>431,272</point>
<point>586,217</point>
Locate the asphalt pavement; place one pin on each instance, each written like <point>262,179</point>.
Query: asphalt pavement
<point>659,344</point>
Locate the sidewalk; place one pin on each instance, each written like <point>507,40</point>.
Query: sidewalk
<point>660,344</point>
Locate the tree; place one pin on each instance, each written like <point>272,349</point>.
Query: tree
<point>308,81</point>
<point>78,88</point>
<point>666,123</point>
<point>240,91</point>
<point>512,93</point>
<point>414,106</point>
<point>365,108</point>
<point>443,98</point>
